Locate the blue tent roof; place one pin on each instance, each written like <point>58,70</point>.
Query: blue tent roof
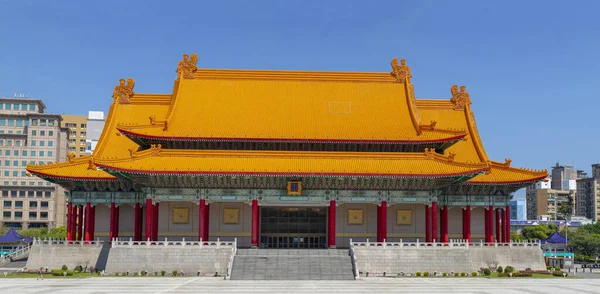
<point>12,236</point>
<point>555,238</point>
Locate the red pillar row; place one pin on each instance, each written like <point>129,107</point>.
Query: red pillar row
<point>70,221</point>
<point>490,221</point>
<point>137,223</point>
<point>203,213</point>
<point>434,216</point>
<point>507,226</point>
<point>87,233</point>
<point>498,229</point>
<point>427,223</point>
<point>382,222</point>
<point>331,224</point>
<point>255,224</point>
<point>444,230</point>
<point>80,223</point>
<point>468,223</point>
<point>149,214</point>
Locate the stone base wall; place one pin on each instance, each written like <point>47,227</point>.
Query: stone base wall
<point>394,261</point>
<point>155,259</point>
<point>55,256</point>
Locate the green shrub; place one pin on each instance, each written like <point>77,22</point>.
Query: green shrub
<point>135,274</point>
<point>60,272</point>
<point>500,269</point>
<point>125,274</point>
<point>456,274</point>
<point>426,274</point>
<point>444,274</point>
<point>487,272</point>
<point>509,269</point>
<point>174,273</point>
<point>144,273</point>
<point>559,274</point>
<point>463,274</point>
<point>548,267</point>
<point>418,274</point>
<point>64,267</point>
<point>557,268</point>
<point>156,274</point>
<point>163,273</point>
<point>116,274</point>
<point>78,268</point>
<point>474,274</point>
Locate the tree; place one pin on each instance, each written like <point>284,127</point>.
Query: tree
<point>585,243</point>
<point>539,232</point>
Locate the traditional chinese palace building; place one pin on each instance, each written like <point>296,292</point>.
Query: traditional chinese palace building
<point>288,159</point>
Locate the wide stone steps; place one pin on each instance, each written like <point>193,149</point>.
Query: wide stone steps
<point>292,264</point>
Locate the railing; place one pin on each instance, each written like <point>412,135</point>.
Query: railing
<point>63,242</point>
<point>354,264</point>
<point>116,243</point>
<point>452,244</point>
<point>231,258</point>
<point>16,255</point>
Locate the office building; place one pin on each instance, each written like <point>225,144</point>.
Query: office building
<point>77,133</point>
<point>95,125</point>
<point>588,194</point>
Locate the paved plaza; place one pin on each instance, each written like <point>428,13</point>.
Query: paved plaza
<point>371,285</point>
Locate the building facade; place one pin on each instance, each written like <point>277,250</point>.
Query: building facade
<point>30,136</point>
<point>289,159</point>
<point>518,210</point>
<point>95,125</point>
<point>588,195</point>
<point>550,204</point>
<point>564,177</point>
<point>77,131</point>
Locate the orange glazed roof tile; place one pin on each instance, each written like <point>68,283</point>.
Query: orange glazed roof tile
<point>471,149</point>
<point>290,163</point>
<point>291,106</point>
<point>110,144</point>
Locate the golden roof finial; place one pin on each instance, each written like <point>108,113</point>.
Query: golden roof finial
<point>187,68</point>
<point>429,152</point>
<point>451,156</point>
<point>156,148</point>
<point>507,162</point>
<point>123,92</point>
<point>400,72</point>
<point>460,99</point>
<point>70,156</point>
<point>91,165</point>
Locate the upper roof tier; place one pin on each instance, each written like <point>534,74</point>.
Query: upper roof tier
<point>292,106</point>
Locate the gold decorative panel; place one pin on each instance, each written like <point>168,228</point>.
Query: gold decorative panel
<point>231,215</point>
<point>181,215</point>
<point>355,216</point>
<point>404,217</point>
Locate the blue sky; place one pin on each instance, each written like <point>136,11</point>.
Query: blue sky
<point>532,67</point>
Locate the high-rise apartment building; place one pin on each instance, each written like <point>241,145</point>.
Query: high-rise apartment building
<point>95,125</point>
<point>77,125</point>
<point>544,202</point>
<point>518,210</point>
<point>28,135</point>
<point>588,195</point>
<point>564,177</point>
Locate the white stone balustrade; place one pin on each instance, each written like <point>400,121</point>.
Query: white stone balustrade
<point>452,244</point>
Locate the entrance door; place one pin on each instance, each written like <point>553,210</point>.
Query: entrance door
<point>293,227</point>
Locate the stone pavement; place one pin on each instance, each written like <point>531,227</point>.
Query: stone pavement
<point>369,285</point>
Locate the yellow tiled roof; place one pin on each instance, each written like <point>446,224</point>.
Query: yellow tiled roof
<point>471,148</point>
<point>291,105</point>
<point>291,163</point>
<point>110,144</point>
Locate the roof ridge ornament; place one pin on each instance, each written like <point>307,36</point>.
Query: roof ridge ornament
<point>70,156</point>
<point>507,162</point>
<point>460,99</point>
<point>429,153</point>
<point>123,92</point>
<point>451,156</point>
<point>155,149</point>
<point>187,68</point>
<point>400,72</point>
<point>91,165</point>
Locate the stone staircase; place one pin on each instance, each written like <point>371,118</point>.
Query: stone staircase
<point>292,264</point>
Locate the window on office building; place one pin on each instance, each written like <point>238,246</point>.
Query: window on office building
<point>32,215</point>
<point>33,204</point>
<point>18,214</point>
<point>7,204</point>
<point>44,204</point>
<point>43,215</point>
<point>6,214</point>
<point>18,204</point>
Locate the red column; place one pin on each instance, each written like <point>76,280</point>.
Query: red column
<point>468,223</point>
<point>383,221</point>
<point>155,223</point>
<point>112,225</point>
<point>203,221</point>
<point>79,222</point>
<point>331,224</point>
<point>490,237</point>
<point>255,222</point>
<point>507,226</point>
<point>117,214</point>
<point>92,222</point>
<point>69,221</point>
<point>149,213</point>
<point>427,223</point>
<point>88,223</point>
<point>487,225</point>
<point>498,230</point>
<point>434,216</point>
<point>444,237</point>
<point>378,223</point>
<point>137,222</point>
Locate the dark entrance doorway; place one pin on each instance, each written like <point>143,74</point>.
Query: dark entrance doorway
<point>293,227</point>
